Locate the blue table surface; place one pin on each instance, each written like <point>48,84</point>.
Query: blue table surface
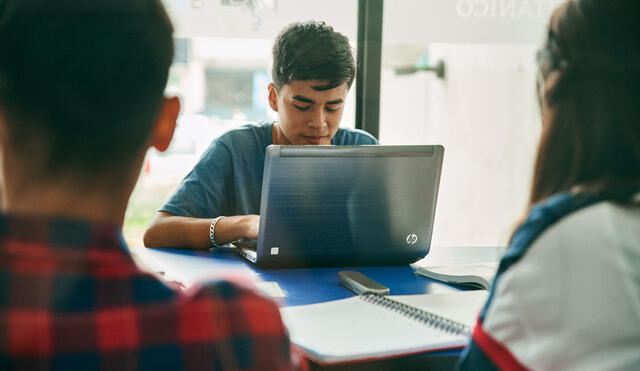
<point>312,285</point>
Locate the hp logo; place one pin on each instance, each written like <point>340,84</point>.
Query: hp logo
<point>412,239</point>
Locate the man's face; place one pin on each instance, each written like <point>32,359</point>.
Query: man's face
<point>307,115</point>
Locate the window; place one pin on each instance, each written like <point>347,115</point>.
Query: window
<point>483,110</point>
<point>221,71</point>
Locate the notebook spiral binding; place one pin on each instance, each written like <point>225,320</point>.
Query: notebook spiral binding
<point>427,318</point>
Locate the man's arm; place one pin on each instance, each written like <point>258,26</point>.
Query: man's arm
<point>168,230</point>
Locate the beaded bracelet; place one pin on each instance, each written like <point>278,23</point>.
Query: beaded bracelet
<point>212,231</point>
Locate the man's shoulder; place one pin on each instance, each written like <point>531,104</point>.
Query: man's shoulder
<point>224,310</point>
<point>242,296</point>
<point>259,133</point>
<point>349,136</point>
<point>205,300</point>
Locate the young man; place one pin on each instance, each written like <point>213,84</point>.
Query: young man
<point>218,201</point>
<point>81,99</point>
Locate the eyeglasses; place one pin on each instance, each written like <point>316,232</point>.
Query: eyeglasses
<point>540,78</point>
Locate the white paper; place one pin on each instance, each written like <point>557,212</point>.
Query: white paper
<point>271,289</point>
<point>352,329</point>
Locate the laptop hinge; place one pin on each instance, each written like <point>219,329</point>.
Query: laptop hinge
<point>356,151</point>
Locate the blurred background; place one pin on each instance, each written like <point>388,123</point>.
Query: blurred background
<point>460,73</point>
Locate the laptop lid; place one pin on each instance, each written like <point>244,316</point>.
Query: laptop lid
<point>347,205</point>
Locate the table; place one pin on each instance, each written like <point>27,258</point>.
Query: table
<point>313,285</point>
<point>310,285</point>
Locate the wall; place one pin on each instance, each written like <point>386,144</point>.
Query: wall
<point>484,112</point>
<point>486,116</point>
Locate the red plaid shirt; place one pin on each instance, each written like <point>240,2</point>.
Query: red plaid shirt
<point>71,298</point>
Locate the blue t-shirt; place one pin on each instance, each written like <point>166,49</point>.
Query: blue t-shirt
<point>228,178</point>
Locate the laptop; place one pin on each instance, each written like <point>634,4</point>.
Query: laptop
<point>346,205</point>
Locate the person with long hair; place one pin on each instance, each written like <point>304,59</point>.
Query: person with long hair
<point>567,292</point>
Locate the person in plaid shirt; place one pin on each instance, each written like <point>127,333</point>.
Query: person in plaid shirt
<point>81,99</point>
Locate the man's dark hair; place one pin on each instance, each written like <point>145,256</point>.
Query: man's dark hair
<point>82,81</point>
<point>312,51</point>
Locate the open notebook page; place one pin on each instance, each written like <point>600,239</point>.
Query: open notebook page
<point>353,329</point>
<point>475,275</point>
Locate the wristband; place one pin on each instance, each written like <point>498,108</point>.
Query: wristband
<point>212,231</point>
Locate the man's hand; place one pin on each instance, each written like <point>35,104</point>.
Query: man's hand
<point>252,226</point>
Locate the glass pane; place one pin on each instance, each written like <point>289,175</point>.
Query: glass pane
<point>221,72</point>
<point>483,110</point>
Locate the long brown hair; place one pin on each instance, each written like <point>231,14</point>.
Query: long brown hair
<point>591,101</point>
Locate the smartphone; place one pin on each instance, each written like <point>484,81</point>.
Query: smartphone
<point>361,284</point>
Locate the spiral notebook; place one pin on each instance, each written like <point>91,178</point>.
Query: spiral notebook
<point>374,327</point>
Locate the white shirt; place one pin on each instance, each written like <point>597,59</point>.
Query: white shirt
<point>572,302</point>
